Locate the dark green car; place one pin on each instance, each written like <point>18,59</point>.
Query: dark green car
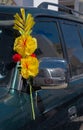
<point>57,106</point>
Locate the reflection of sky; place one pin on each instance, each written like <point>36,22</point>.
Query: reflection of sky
<point>72,41</point>
<point>48,29</point>
<point>43,32</point>
<point>52,64</point>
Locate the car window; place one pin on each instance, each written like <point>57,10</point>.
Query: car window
<point>6,16</point>
<point>74,47</point>
<point>6,43</point>
<point>48,39</point>
<point>7,36</point>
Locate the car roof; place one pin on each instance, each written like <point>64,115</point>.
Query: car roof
<point>41,11</point>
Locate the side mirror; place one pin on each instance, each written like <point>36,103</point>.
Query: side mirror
<point>53,73</point>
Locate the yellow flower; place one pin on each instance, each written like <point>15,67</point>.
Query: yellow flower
<point>25,45</point>
<point>24,23</point>
<point>29,67</point>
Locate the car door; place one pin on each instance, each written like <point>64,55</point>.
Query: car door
<point>53,106</point>
<point>72,36</point>
<point>49,45</point>
<point>13,103</point>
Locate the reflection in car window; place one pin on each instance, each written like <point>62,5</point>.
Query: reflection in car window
<point>41,73</point>
<point>48,39</point>
<point>6,52</point>
<point>6,16</point>
<point>74,47</point>
<point>6,44</point>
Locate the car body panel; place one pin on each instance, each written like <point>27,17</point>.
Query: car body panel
<point>55,109</point>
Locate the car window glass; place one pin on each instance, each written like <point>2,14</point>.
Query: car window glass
<point>48,39</point>
<point>6,16</point>
<point>6,44</point>
<point>74,47</point>
<point>7,36</point>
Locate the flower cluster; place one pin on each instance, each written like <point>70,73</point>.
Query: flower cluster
<point>25,45</point>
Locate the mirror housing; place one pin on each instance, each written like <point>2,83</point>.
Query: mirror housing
<point>53,73</point>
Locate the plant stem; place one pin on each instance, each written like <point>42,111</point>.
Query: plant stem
<point>32,104</point>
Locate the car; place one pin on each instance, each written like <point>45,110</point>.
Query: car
<point>57,102</point>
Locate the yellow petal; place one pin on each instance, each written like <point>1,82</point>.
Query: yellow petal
<point>23,13</point>
<point>18,18</point>
<point>16,22</point>
<point>25,45</point>
<point>29,23</point>
<point>26,23</point>
<point>29,67</point>
<point>19,29</point>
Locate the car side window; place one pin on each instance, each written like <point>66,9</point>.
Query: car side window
<point>74,47</point>
<point>6,16</point>
<point>46,32</point>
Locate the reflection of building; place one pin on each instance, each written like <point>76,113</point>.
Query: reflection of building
<point>7,2</point>
<point>69,3</point>
<point>25,2</point>
<point>17,2</point>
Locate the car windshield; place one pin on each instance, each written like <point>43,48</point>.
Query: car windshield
<point>6,51</point>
